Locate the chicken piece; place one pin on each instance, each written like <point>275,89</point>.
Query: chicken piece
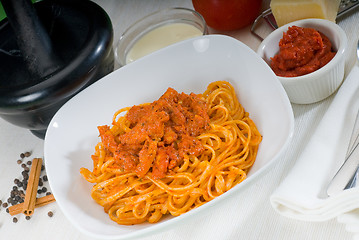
<point>160,165</point>
<point>146,157</point>
<point>108,140</point>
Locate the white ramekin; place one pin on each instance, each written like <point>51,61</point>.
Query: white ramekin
<point>320,84</point>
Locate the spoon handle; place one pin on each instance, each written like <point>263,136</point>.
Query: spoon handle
<point>346,176</point>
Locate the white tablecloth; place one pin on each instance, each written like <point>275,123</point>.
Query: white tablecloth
<point>253,215</point>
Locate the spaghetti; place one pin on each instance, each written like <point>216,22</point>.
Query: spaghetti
<point>172,155</point>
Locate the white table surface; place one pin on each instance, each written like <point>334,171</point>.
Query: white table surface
<point>256,218</point>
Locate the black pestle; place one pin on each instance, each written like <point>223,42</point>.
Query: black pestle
<point>50,51</point>
<point>32,38</point>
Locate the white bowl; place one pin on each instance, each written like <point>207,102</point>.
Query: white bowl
<point>320,84</point>
<point>165,17</point>
<point>72,133</point>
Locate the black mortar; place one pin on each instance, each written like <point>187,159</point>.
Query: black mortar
<point>50,51</point>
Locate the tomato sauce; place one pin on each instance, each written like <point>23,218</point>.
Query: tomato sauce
<point>301,51</point>
<point>161,134</point>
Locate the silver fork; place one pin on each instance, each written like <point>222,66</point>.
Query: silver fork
<point>353,181</point>
<point>347,175</point>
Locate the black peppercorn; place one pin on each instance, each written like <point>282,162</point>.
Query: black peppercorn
<point>17,198</point>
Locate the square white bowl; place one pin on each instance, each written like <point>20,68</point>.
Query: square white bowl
<point>188,66</point>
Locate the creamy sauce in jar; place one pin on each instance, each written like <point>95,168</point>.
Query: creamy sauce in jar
<point>161,37</point>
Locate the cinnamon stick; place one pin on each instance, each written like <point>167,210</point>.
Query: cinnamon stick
<point>18,208</point>
<point>31,191</point>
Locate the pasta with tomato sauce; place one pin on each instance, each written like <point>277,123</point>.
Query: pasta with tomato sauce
<point>172,155</point>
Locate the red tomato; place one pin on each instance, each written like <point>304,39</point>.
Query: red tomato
<point>228,14</point>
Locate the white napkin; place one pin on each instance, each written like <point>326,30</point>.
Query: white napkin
<point>351,221</point>
<point>302,194</point>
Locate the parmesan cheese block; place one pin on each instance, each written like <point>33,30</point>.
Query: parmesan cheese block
<point>286,11</point>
